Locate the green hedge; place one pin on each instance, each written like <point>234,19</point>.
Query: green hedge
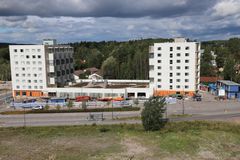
<point>73,110</point>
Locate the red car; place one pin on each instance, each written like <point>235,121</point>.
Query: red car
<point>82,98</point>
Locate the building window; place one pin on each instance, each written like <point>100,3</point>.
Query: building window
<point>159,74</point>
<point>170,74</point>
<point>186,87</point>
<point>170,87</point>
<point>26,50</point>
<point>170,80</point>
<point>23,69</point>
<point>39,56</point>
<point>41,87</point>
<point>33,50</point>
<point>21,50</point>
<point>40,68</point>
<point>186,74</point>
<point>186,61</point>
<point>178,80</point>
<point>178,74</point>
<point>178,67</point>
<point>159,67</point>
<point>186,80</point>
<point>186,67</point>
<point>29,81</point>
<point>18,87</point>
<point>35,75</point>
<point>28,62</point>
<point>39,50</point>
<point>40,81</point>
<point>17,80</point>
<point>62,61</point>
<point>171,55</point>
<point>171,48</point>
<point>159,86</point>
<point>27,56</point>
<point>39,62</point>
<point>178,48</point>
<point>67,60</point>
<point>29,87</point>
<point>159,61</point>
<point>63,72</point>
<point>15,50</point>
<point>159,80</point>
<point>171,67</point>
<point>171,61</point>
<point>35,81</point>
<point>159,54</point>
<point>34,62</point>
<point>16,62</point>
<point>186,54</point>
<point>159,48</point>
<point>35,87</point>
<point>187,48</point>
<point>178,54</point>
<point>178,61</point>
<point>23,74</point>
<point>33,56</point>
<point>178,86</point>
<point>24,93</point>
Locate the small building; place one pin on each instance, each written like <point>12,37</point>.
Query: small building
<point>232,89</point>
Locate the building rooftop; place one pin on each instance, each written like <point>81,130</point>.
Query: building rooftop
<point>229,83</point>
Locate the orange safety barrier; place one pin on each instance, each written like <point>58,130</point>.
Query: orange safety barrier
<point>171,92</point>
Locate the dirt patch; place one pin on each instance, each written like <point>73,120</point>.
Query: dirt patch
<point>208,155</point>
<point>133,150</point>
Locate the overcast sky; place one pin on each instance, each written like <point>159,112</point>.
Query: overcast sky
<point>29,21</point>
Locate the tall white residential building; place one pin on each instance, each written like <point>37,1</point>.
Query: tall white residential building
<point>37,67</point>
<point>174,67</point>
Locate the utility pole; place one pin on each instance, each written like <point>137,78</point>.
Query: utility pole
<point>183,106</point>
<point>24,118</point>
<point>112,103</point>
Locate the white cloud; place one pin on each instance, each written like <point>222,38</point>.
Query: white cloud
<point>227,8</point>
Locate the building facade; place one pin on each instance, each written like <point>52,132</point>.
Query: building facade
<point>174,67</point>
<point>34,68</point>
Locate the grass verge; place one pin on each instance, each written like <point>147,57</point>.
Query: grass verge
<point>177,140</point>
<point>72,110</point>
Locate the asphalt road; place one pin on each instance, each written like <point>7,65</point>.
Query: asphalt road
<point>82,119</point>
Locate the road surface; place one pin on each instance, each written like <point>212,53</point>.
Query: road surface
<point>82,119</point>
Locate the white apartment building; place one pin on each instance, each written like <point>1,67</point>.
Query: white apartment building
<point>174,67</point>
<point>37,67</point>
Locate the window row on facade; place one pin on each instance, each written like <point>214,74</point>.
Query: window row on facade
<point>177,86</point>
<point>171,74</point>
<point>177,80</point>
<point>29,87</point>
<point>177,61</point>
<point>27,50</point>
<point>29,81</point>
<point>177,48</point>
<point>29,75</point>
<point>28,62</point>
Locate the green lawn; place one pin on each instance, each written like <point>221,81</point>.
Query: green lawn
<point>177,141</point>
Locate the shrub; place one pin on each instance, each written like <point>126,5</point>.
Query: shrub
<point>46,107</point>
<point>152,114</point>
<point>58,107</point>
<point>70,104</point>
<point>103,129</point>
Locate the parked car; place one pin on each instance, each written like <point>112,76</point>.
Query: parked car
<point>39,107</point>
<point>197,97</point>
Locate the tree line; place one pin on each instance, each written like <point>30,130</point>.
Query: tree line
<point>129,59</point>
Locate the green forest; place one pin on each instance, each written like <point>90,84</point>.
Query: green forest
<point>129,60</point>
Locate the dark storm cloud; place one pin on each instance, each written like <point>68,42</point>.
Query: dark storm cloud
<point>104,8</point>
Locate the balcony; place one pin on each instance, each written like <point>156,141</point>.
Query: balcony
<point>51,69</point>
<point>151,49</point>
